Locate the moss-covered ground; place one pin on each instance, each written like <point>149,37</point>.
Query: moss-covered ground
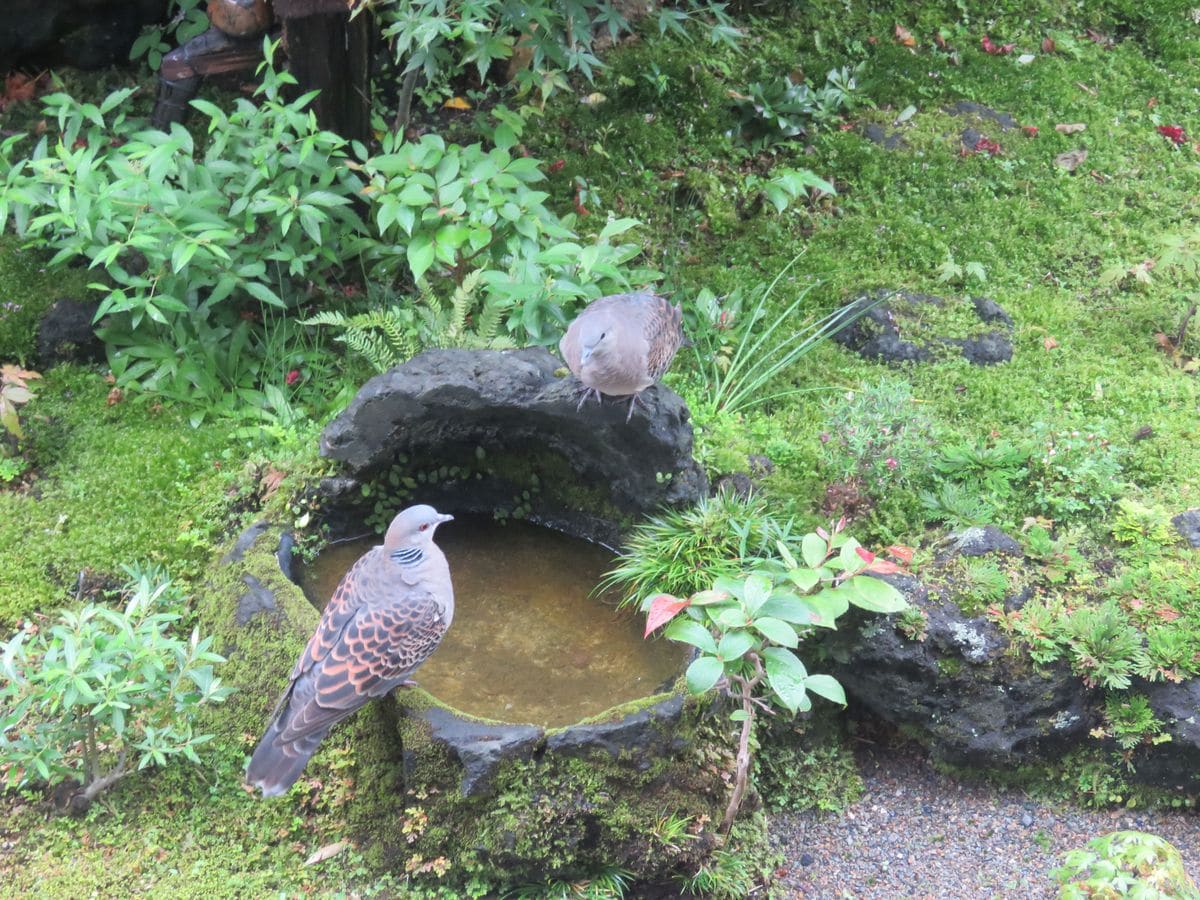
<point>1075,258</point>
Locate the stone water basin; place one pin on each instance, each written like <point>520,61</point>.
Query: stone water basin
<point>532,641</point>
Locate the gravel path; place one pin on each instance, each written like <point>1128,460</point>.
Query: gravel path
<point>917,833</point>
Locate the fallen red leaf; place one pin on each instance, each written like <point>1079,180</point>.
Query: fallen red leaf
<point>1167,613</point>
<point>900,552</point>
<point>1030,130</point>
<point>663,608</point>
<point>904,37</point>
<point>1048,45</point>
<point>986,145</point>
<point>1049,343</point>
<point>995,49</point>
<point>1173,133</point>
<point>557,165</point>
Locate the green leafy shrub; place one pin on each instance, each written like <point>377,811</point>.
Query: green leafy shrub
<point>1135,522</point>
<point>1130,719</point>
<point>783,109</point>
<point>976,484</point>
<point>443,211</point>
<point>190,238</point>
<point>877,435</point>
<point>746,628</point>
<point>187,19</point>
<point>679,551</point>
<point>1104,647</point>
<point>84,698</point>
<point>1125,864</point>
<point>1073,473</point>
<point>442,41</point>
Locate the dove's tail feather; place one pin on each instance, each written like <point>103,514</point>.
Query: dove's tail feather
<point>276,764</point>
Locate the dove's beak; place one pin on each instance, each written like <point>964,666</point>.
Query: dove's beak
<point>445,517</point>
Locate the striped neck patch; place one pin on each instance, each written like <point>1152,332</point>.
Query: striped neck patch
<point>407,556</point>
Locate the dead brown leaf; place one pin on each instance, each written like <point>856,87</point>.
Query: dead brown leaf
<point>904,37</point>
<point>1048,45</point>
<point>270,481</point>
<point>1070,128</point>
<point>115,396</point>
<point>1049,343</point>
<point>327,852</point>
<point>1071,160</point>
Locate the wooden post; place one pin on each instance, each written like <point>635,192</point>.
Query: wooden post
<point>330,52</point>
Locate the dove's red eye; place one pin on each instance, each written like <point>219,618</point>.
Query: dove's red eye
<point>425,527</point>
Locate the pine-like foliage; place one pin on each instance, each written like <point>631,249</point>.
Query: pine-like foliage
<point>392,332</point>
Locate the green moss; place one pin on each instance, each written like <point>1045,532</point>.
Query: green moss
<point>27,289</point>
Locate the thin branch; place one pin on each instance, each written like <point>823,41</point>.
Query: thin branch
<point>104,783</point>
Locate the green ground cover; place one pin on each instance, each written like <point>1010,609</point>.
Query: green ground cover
<point>1061,252</point>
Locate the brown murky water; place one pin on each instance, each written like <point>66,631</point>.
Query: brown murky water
<point>528,643</point>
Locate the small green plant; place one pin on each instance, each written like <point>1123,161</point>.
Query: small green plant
<point>950,272</point>
<point>739,357</point>
<point>877,435</point>
<point>187,19</point>
<point>1135,523</point>
<point>679,551</point>
<point>1125,864</point>
<point>746,628</point>
<point>610,884</point>
<point>1130,719</point>
<point>1172,653</point>
<point>983,583</point>
<point>391,331</point>
<point>101,693</point>
<point>1104,647</point>
<point>784,109</point>
<point>1074,472</point>
<point>726,875</point>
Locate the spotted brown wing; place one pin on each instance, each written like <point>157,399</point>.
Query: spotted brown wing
<point>373,634</point>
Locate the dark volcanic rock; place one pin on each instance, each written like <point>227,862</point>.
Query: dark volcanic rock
<point>1173,764</point>
<point>957,689</point>
<point>881,328</point>
<point>888,140</point>
<point>982,540</point>
<point>87,34</point>
<point>257,599</point>
<point>984,113</point>
<point>479,747</point>
<point>449,407</point>
<point>1188,525</point>
<point>66,333</point>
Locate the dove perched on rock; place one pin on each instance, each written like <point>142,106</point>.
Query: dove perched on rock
<point>620,345</point>
<point>388,613</point>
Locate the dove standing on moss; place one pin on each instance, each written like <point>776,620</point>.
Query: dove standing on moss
<point>388,613</point>
<point>620,345</point>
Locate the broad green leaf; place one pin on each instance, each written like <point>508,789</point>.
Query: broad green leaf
<point>755,591</point>
<point>691,632</point>
<point>804,579</point>
<point>703,673</point>
<point>734,644</point>
<point>788,607</point>
<point>827,606</point>
<point>707,598</point>
<point>782,660</point>
<point>826,686</point>
<point>728,585</point>
<point>849,558</point>
<point>420,255</point>
<point>777,630</point>
<point>812,548</point>
<point>873,594</point>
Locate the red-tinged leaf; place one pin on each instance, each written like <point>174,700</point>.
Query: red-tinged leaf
<point>866,554</point>
<point>663,609</point>
<point>904,37</point>
<point>986,145</point>
<point>1048,45</point>
<point>995,49</point>
<point>822,533</point>
<point>556,166</point>
<point>841,525</point>
<point>884,567</point>
<point>1030,130</point>
<point>1049,343</point>
<point>901,552</point>
<point>1173,133</point>
<point>1167,614</point>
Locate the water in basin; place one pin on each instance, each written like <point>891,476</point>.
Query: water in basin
<point>530,641</point>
